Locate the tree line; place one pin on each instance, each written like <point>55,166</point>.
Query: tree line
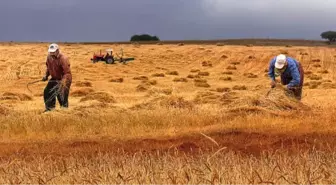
<point>329,35</point>
<point>144,37</point>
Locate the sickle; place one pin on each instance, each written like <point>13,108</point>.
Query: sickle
<point>32,83</point>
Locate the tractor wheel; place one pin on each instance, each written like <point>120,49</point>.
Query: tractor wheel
<point>94,61</point>
<point>109,61</point>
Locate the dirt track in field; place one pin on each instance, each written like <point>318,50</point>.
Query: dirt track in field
<point>241,142</point>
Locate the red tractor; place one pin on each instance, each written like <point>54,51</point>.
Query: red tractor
<point>109,57</point>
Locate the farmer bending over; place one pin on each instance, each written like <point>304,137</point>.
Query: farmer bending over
<point>58,67</point>
<point>290,72</point>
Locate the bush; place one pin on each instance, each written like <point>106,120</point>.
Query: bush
<point>144,37</point>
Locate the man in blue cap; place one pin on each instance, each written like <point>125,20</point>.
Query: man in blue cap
<point>290,72</point>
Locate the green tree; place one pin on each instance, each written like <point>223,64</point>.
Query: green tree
<point>330,35</point>
<point>144,37</point>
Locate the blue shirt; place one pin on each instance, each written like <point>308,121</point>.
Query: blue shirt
<point>291,73</point>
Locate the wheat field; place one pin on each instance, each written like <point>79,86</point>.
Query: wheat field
<point>176,114</point>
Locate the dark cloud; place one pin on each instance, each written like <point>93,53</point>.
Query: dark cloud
<point>117,20</point>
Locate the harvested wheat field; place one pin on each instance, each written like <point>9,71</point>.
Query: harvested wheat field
<point>176,114</point>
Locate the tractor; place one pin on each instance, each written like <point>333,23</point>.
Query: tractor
<point>109,58</point>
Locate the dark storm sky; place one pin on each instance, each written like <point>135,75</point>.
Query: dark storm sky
<point>117,20</point>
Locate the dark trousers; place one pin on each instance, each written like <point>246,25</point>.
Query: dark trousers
<point>51,92</point>
<point>295,91</point>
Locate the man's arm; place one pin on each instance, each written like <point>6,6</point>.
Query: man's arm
<point>295,76</point>
<point>66,68</point>
<point>47,74</point>
<point>271,69</point>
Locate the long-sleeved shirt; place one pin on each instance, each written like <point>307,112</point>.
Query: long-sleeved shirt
<point>292,72</point>
<point>59,68</point>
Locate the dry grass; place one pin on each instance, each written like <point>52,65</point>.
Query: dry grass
<point>15,96</point>
<point>103,97</point>
<point>275,102</point>
<point>142,87</point>
<point>176,102</point>
<point>161,168</point>
<point>226,78</point>
<point>234,63</point>
<point>223,89</point>
<point>173,73</point>
<point>155,91</point>
<point>140,78</point>
<point>155,132</point>
<point>239,87</point>
<point>231,68</point>
<point>180,80</point>
<point>202,84</point>
<point>316,60</point>
<point>326,81</point>
<point>308,72</point>
<point>158,75</point>
<point>317,65</point>
<point>200,80</point>
<point>207,64</point>
<point>250,75</point>
<point>83,84</point>
<point>152,82</point>
<point>285,52</point>
<point>313,84</point>
<point>328,85</point>
<point>203,73</point>
<point>224,57</point>
<point>323,71</point>
<point>195,70</point>
<point>227,72</point>
<point>4,110</point>
<point>193,76</point>
<point>81,92</point>
<point>315,77</point>
<point>117,80</point>
<point>207,97</point>
<point>251,57</point>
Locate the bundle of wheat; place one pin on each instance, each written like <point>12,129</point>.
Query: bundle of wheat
<point>99,96</point>
<point>274,101</point>
<point>16,96</point>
